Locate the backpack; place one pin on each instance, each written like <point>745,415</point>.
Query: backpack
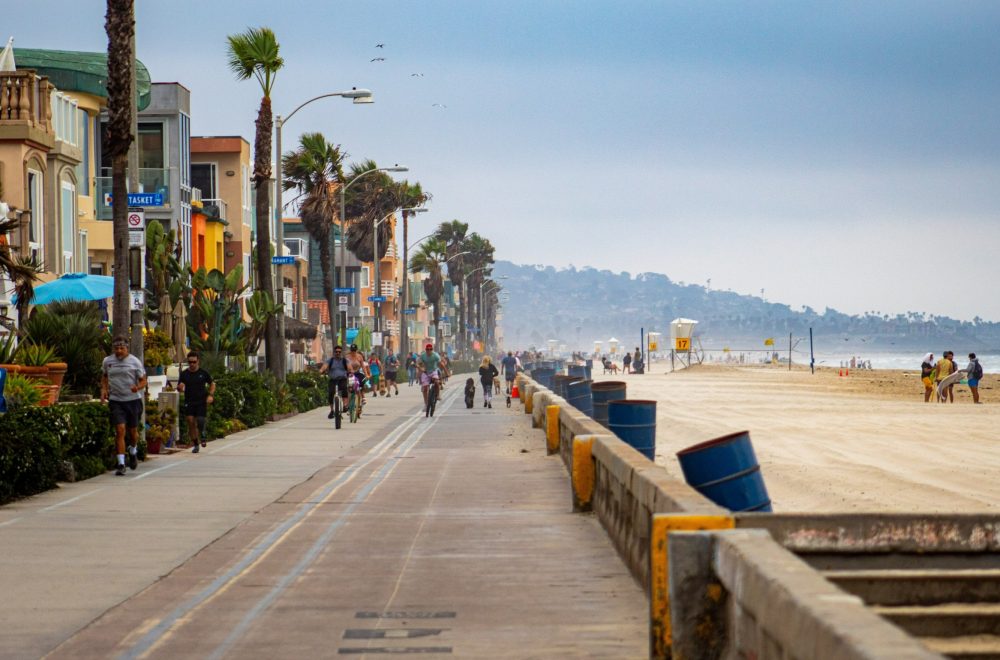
<point>977,371</point>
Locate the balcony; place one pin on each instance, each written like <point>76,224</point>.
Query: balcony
<point>388,289</point>
<point>219,204</point>
<point>151,180</point>
<point>390,253</point>
<point>26,107</point>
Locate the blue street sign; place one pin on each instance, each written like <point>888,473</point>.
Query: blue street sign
<point>409,310</point>
<point>443,318</point>
<point>139,199</point>
<point>376,298</point>
<point>344,289</point>
<point>282,260</point>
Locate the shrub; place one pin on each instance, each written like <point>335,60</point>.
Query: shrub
<point>83,341</point>
<point>308,390</point>
<point>90,442</point>
<point>156,347</point>
<point>21,392</point>
<point>245,396</point>
<point>30,450</point>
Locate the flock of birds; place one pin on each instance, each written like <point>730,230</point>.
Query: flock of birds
<point>412,75</point>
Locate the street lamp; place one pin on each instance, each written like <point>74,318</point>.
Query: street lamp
<point>466,301</point>
<point>422,238</point>
<point>343,232</point>
<point>360,97</point>
<point>377,265</point>
<point>481,316</point>
<point>404,340</point>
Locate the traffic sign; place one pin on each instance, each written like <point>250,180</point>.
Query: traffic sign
<point>344,289</point>
<point>277,261</point>
<point>376,298</point>
<point>136,219</point>
<point>342,308</point>
<point>409,310</point>
<point>137,299</point>
<point>139,199</point>
<point>136,238</point>
<point>342,301</point>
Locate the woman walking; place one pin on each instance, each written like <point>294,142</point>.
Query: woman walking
<point>487,372</point>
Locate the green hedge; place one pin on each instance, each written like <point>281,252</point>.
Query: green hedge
<point>31,442</point>
<point>90,443</point>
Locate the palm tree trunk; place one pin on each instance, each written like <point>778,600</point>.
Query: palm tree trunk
<point>262,179</point>
<point>324,261</point>
<point>120,27</point>
<point>437,324</point>
<point>404,339</point>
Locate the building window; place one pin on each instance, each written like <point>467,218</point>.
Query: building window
<point>83,252</point>
<point>365,277</point>
<point>185,236</point>
<point>247,271</point>
<point>152,146</point>
<point>36,224</point>
<point>245,186</point>
<point>67,217</point>
<point>365,311</point>
<point>203,177</point>
<point>185,149</point>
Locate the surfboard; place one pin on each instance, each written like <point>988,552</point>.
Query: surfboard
<point>950,380</point>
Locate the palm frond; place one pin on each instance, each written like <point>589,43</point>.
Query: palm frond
<point>255,53</point>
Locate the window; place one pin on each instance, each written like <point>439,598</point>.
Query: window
<point>247,272</point>
<point>365,279</point>
<point>203,177</point>
<point>245,186</point>
<point>67,217</point>
<point>185,236</point>
<point>83,169</point>
<point>151,146</point>
<point>36,224</point>
<point>83,252</point>
<point>365,311</point>
<point>185,164</point>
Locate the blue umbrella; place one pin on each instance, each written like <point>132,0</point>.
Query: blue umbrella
<point>74,286</point>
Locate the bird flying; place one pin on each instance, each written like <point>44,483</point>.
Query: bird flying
<point>378,59</point>
<point>416,75</point>
<point>380,45</point>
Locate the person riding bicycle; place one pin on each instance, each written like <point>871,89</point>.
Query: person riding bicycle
<point>360,368</point>
<point>428,364</point>
<point>339,370</point>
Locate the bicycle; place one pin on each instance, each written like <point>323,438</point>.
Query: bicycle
<point>432,396</point>
<point>338,410</point>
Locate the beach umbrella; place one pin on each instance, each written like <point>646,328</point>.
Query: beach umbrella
<point>73,287</point>
<point>179,330</point>
<point>167,323</point>
<point>7,57</point>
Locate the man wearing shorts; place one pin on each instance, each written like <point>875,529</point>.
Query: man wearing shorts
<point>123,379</point>
<point>974,372</point>
<point>509,365</point>
<point>199,391</point>
<point>428,364</point>
<point>338,370</point>
<point>391,368</point>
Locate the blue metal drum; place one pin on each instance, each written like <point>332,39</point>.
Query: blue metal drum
<point>559,383</point>
<point>543,376</point>
<point>634,421</point>
<point>725,470</point>
<point>601,393</point>
<point>578,396</point>
<point>589,366</point>
<point>577,371</point>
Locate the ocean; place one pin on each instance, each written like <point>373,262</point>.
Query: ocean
<point>907,361</point>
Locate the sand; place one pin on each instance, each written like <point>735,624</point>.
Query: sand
<point>826,443</point>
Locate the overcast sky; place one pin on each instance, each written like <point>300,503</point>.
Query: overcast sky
<point>842,154</point>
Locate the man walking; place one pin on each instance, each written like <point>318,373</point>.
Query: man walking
<point>509,365</point>
<point>974,372</point>
<point>123,379</point>
<point>391,368</point>
<point>199,390</point>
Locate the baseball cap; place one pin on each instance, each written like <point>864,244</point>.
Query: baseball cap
<point>429,346</point>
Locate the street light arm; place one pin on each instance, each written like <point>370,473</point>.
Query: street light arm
<point>351,94</point>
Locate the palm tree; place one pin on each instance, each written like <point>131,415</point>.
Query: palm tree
<point>428,260</point>
<point>409,195</point>
<point>119,24</point>
<point>480,257</point>
<point>369,200</point>
<point>22,271</point>
<point>254,53</point>
<point>453,235</point>
<point>313,169</point>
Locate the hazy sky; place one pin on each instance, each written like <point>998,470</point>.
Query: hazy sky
<point>842,154</point>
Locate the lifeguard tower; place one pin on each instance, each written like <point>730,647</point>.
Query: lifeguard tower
<point>681,339</point>
<point>598,346</point>
<point>613,346</point>
<point>653,344</point>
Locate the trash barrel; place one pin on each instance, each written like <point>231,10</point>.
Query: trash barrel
<point>725,470</point>
<point>559,382</point>
<point>543,376</point>
<point>589,366</point>
<point>578,395</point>
<point>577,371</point>
<point>601,393</point>
<point>634,421</point>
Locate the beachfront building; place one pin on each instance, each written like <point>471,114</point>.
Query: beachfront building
<point>384,281</point>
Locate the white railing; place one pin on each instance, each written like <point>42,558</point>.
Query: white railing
<point>388,289</point>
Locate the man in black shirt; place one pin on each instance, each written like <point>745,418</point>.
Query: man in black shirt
<point>198,388</point>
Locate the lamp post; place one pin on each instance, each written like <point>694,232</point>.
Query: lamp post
<point>360,97</point>
<point>378,264</point>
<point>481,310</point>
<point>343,232</point>
<point>467,303</point>
<point>404,339</point>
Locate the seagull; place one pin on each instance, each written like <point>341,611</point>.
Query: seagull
<point>439,105</point>
<point>380,45</point>
<point>416,75</point>
<point>378,59</point>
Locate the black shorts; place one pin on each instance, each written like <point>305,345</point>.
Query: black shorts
<point>390,375</point>
<point>196,408</point>
<point>335,384</point>
<point>126,412</point>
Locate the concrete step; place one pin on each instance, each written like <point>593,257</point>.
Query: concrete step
<point>966,647</point>
<point>946,620</point>
<point>919,587</point>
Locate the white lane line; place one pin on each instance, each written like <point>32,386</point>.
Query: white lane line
<point>160,469</point>
<point>9,522</point>
<point>72,499</point>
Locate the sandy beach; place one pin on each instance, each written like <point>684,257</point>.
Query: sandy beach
<point>825,442</point>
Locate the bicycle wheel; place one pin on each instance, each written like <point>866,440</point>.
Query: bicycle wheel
<point>352,407</point>
<point>338,412</point>
<point>432,396</point>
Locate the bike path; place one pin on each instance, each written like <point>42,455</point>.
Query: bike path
<point>450,536</point>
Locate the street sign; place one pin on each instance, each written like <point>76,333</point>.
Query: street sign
<point>277,261</point>
<point>136,238</point>
<point>137,299</point>
<point>344,289</point>
<point>444,318</point>
<point>342,301</point>
<point>139,199</point>
<point>409,310</point>
<point>376,339</point>
<point>136,219</point>
<point>376,298</point>
<point>682,344</point>
<point>342,308</point>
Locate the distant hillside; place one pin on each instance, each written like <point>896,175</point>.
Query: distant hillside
<point>579,306</point>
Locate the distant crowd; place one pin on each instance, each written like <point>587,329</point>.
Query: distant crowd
<point>944,374</point>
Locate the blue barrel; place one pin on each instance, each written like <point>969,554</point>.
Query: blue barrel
<point>578,396</point>
<point>725,470</point>
<point>589,366</point>
<point>559,383</point>
<point>634,421</point>
<point>577,371</point>
<point>543,376</point>
<point>601,393</point>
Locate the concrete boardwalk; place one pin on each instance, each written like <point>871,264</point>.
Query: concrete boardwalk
<point>451,536</point>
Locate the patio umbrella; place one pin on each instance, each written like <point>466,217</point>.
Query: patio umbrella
<point>180,330</point>
<point>74,286</point>
<point>167,323</point>
<point>7,57</point>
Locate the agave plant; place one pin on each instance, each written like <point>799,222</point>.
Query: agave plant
<point>35,355</point>
<point>83,340</point>
<point>21,391</point>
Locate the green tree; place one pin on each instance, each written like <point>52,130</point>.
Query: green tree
<point>254,53</point>
<point>368,200</point>
<point>314,170</point>
<point>20,270</point>
<point>409,195</point>
<point>428,260</point>
<point>453,235</point>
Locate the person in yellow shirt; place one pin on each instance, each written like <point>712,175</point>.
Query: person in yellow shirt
<point>944,368</point>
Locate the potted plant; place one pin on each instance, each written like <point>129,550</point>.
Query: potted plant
<point>156,347</point>
<point>8,348</point>
<point>21,391</point>
<point>34,359</point>
<point>160,424</point>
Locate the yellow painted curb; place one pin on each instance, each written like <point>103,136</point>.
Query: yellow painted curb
<point>552,428</point>
<point>659,564</point>
<point>583,473</point>
<point>529,404</point>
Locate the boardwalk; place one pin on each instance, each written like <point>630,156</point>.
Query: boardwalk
<point>450,536</point>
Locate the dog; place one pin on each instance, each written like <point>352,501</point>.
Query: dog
<point>470,393</point>
<point>508,400</point>
<point>496,384</point>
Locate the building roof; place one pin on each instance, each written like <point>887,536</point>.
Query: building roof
<point>76,71</point>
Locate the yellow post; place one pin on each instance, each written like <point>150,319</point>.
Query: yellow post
<point>522,391</point>
<point>659,571</point>
<point>583,473</point>
<point>529,404</point>
<point>552,428</point>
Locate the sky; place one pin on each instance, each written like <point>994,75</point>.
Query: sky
<point>832,154</point>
